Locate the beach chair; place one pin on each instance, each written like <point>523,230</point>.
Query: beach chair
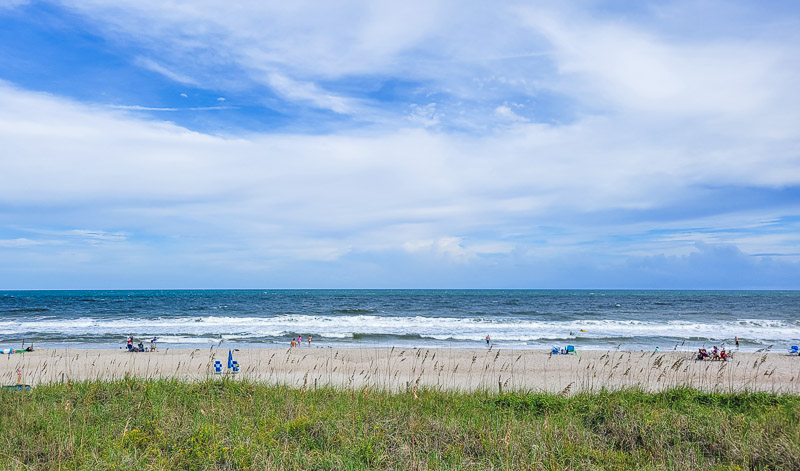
<point>235,366</point>
<point>794,350</point>
<point>218,367</point>
<point>554,351</point>
<point>571,349</point>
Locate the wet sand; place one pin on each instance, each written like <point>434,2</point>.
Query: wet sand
<point>400,369</point>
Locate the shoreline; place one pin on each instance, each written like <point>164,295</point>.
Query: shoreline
<point>320,343</point>
<point>397,369</point>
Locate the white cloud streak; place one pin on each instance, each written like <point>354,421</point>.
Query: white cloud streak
<point>306,91</point>
<point>152,65</point>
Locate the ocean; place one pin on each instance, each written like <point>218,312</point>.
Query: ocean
<point>599,320</point>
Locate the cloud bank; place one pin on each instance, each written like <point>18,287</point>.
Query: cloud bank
<point>441,146</point>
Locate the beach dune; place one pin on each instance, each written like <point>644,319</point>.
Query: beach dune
<point>401,369</point>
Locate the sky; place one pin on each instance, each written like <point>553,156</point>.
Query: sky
<point>417,144</point>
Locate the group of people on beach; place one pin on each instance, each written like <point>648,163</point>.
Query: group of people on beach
<point>715,354</point>
<point>140,347</point>
<point>131,347</point>
<point>297,342</point>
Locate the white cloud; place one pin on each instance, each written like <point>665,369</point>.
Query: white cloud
<point>306,91</point>
<point>449,248</point>
<point>157,108</point>
<point>150,64</point>
<point>426,116</point>
<point>96,236</point>
<point>656,115</point>
<point>624,67</point>
<point>508,114</point>
<point>454,249</point>
<point>118,173</point>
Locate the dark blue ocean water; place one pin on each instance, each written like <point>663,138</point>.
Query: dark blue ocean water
<point>426,318</point>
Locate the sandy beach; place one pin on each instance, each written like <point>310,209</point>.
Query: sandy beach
<point>399,369</point>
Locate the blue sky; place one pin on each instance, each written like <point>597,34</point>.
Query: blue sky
<point>420,144</point>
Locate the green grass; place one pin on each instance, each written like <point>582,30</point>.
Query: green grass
<point>225,424</point>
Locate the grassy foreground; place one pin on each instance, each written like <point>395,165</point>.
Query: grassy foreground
<point>225,424</point>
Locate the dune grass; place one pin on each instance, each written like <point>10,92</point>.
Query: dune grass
<point>233,424</point>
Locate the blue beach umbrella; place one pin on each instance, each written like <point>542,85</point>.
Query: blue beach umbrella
<point>230,359</point>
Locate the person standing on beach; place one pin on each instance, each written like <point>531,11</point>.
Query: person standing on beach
<point>488,341</point>
<point>309,340</point>
<point>736,339</point>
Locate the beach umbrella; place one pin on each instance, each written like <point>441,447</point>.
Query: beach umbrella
<point>230,359</point>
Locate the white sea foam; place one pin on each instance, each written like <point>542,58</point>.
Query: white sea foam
<point>207,329</point>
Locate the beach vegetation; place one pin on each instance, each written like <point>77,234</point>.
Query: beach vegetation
<point>225,423</point>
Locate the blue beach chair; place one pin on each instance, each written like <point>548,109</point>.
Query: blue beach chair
<point>235,366</point>
<point>571,349</point>
<point>794,350</point>
<point>217,367</point>
<point>555,350</point>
